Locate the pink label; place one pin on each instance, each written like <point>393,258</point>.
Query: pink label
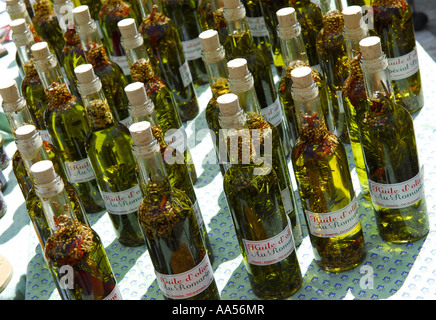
<point>79,171</point>
<point>115,294</point>
<point>192,49</point>
<point>123,202</point>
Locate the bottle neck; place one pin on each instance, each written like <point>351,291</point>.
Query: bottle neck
<point>32,150</point>
<point>333,22</point>
<point>92,45</point>
<point>23,43</point>
<point>17,113</point>
<point>138,59</point>
<point>330,5</point>
<point>376,77</point>
<point>237,22</point>
<point>217,71</point>
<point>292,45</point>
<point>72,38</point>
<point>352,39</point>
<point>244,89</point>
<point>143,112</point>
<point>18,11</point>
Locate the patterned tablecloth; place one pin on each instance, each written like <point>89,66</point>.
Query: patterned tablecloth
<point>389,271</point>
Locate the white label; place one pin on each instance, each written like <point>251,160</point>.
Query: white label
<point>273,113</point>
<point>122,62</point>
<point>192,49</point>
<point>287,201</point>
<point>127,122</point>
<point>185,74</point>
<point>333,224</point>
<point>122,202</point>
<point>270,251</point>
<point>257,26</point>
<point>188,284</point>
<point>404,66</point>
<point>79,171</point>
<point>45,135</point>
<point>176,139</point>
<point>398,195</point>
<point>115,294</point>
<point>198,214</point>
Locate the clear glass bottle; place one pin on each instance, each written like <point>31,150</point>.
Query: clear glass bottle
<point>160,33</point>
<point>68,127</point>
<point>170,227</point>
<point>109,150</point>
<point>353,91</point>
<point>110,73</point>
<point>254,198</point>
<point>396,181</point>
<point>73,249</point>
<point>165,107</point>
<point>394,25</point>
<point>324,181</point>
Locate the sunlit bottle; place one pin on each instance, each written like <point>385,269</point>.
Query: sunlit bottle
<point>168,221</point>
<point>324,181</point>
<point>254,198</point>
<point>396,180</point>
<point>68,127</point>
<point>73,249</point>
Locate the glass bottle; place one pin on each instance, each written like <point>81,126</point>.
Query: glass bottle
<point>244,47</point>
<point>324,181</point>
<point>68,127</point>
<point>108,146</point>
<point>394,25</point>
<point>184,15</point>
<point>396,181</point>
<point>160,33</point>
<point>157,90</point>
<point>333,59</point>
<point>169,225</point>
<point>73,249</point>
<point>353,91</point>
<point>110,74</point>
<point>254,198</point>
<point>295,55</point>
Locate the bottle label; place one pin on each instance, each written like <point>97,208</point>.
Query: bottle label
<point>185,74</point>
<point>287,201</point>
<point>398,195</point>
<point>270,251</point>
<point>123,202</point>
<point>176,139</point>
<point>333,224</point>
<point>404,66</point>
<point>273,113</point>
<point>115,294</point>
<point>122,62</point>
<point>79,171</point>
<point>45,135</point>
<point>192,49</point>
<point>188,284</point>
<point>257,26</point>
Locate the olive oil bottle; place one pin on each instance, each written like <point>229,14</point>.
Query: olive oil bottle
<point>254,198</point>
<point>394,25</point>
<point>171,230</point>
<point>68,127</point>
<point>110,73</point>
<point>161,34</point>
<point>324,182</point>
<point>396,181</point>
<point>73,248</point>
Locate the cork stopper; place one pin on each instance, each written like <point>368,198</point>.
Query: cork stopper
<point>232,4</point>
<point>228,104</point>
<point>210,40</point>
<point>82,16</point>
<point>25,132</point>
<point>84,73</point>
<point>238,68</point>
<point>286,17</point>
<point>136,93</point>
<point>18,26</point>
<point>371,48</point>
<point>302,77</point>
<point>9,91</point>
<point>141,133</point>
<point>40,50</point>
<point>43,172</point>
<point>352,17</point>
<point>128,28</point>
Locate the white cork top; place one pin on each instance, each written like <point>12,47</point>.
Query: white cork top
<point>302,77</point>
<point>40,50</point>
<point>18,26</point>
<point>286,17</point>
<point>210,40</point>
<point>136,93</point>
<point>228,104</point>
<point>43,172</point>
<point>84,73</point>
<point>352,17</point>
<point>232,4</point>
<point>9,91</point>
<point>238,68</point>
<point>371,48</point>
<point>141,133</point>
<point>128,28</point>
<point>25,132</point>
<point>82,16</point>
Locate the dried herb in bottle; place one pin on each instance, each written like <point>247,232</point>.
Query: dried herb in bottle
<point>254,198</point>
<point>396,181</point>
<point>174,241</point>
<point>324,181</point>
<point>393,24</point>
